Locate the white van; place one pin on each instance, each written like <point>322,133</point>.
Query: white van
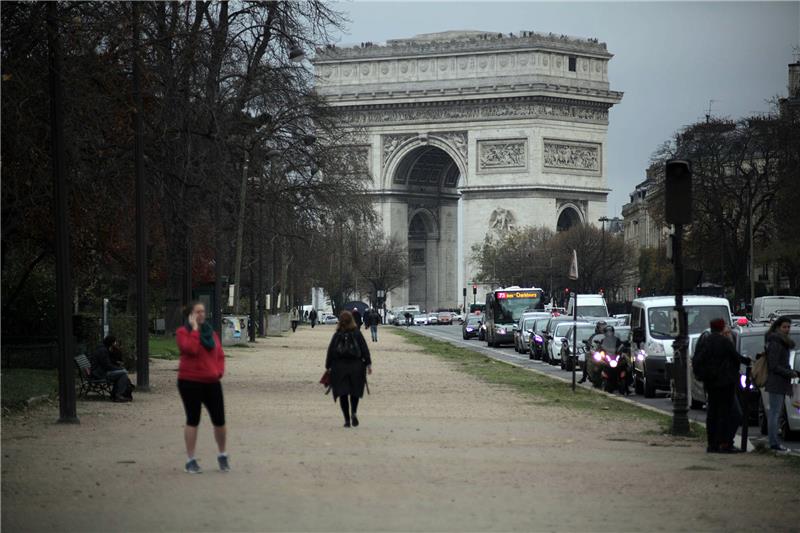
<point>588,305</point>
<point>651,339</point>
<point>767,308</point>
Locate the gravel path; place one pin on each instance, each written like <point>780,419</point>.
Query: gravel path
<point>437,451</point>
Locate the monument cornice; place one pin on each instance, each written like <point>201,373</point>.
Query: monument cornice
<point>477,92</point>
<point>505,190</point>
<point>470,45</point>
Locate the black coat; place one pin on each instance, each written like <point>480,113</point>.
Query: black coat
<point>101,362</point>
<point>780,373</point>
<point>348,372</point>
<point>723,360</point>
<point>357,318</point>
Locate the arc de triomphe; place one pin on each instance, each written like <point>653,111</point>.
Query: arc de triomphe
<point>470,132</point>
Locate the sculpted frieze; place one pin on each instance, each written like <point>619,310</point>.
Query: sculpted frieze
<point>459,111</point>
<point>502,154</point>
<point>571,155</point>
<point>391,143</point>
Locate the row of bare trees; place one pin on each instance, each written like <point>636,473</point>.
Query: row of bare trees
<point>746,176</point>
<point>540,257</point>
<point>222,100</point>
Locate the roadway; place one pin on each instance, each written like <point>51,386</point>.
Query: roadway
<point>662,402</point>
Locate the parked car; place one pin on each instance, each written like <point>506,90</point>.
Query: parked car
<point>472,326</point>
<point>444,318</point>
<point>537,337</point>
<point>789,420</point>
<point>548,335</point>
<point>330,319</point>
<point>651,336</point>
<point>585,332</point>
<point>523,327</point>
<point>556,341</point>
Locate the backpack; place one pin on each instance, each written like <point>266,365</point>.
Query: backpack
<point>701,360</point>
<point>347,347</point>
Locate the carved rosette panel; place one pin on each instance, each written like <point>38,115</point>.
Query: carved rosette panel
<point>391,143</point>
<point>474,112</point>
<point>571,156</point>
<point>504,154</point>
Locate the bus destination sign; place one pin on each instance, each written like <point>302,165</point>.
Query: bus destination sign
<point>511,295</point>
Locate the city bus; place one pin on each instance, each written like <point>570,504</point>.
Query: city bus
<point>504,307</point>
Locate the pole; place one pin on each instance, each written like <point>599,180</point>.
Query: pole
<point>66,378</point>
<point>240,237</point>
<point>750,236</point>
<point>142,333</point>
<point>261,254</point>
<point>574,340</point>
<point>680,408</point>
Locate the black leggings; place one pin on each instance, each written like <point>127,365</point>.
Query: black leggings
<point>195,394</point>
<point>345,405</point>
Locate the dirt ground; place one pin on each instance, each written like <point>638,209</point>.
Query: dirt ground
<point>437,451</point>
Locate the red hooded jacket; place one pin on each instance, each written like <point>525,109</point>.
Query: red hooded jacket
<point>197,363</point>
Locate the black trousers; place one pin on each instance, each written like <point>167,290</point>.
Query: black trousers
<point>723,415</point>
<point>348,405</point>
<point>195,394</point>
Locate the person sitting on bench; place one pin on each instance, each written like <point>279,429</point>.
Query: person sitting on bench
<point>103,368</point>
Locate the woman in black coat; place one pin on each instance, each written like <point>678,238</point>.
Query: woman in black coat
<point>778,384</point>
<point>348,362</point>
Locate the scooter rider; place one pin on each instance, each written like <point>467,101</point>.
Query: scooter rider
<point>599,330</point>
<point>612,344</point>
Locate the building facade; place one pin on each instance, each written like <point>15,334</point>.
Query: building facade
<point>471,132</point>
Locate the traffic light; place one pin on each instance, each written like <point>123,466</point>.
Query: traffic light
<point>638,291</point>
<point>474,288</point>
<point>678,191</point>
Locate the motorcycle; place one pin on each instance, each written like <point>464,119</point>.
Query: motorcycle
<point>614,370</point>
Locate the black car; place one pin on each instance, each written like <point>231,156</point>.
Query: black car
<point>536,339</point>
<point>471,326</point>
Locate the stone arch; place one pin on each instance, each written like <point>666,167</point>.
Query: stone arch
<point>406,148</point>
<point>569,215</point>
<point>422,224</point>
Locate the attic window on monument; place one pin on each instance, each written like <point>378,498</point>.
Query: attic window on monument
<point>573,64</point>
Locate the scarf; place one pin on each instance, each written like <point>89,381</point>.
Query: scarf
<point>206,335</point>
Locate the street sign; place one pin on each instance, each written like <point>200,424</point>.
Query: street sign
<point>674,323</point>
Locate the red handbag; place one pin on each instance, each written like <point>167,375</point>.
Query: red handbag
<point>325,380</point>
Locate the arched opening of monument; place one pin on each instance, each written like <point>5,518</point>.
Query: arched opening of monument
<point>569,217</point>
<point>428,177</point>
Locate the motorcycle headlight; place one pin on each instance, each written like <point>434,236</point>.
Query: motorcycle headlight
<point>640,355</point>
<point>598,356</point>
<point>743,381</point>
<point>612,362</point>
<point>469,329</point>
<point>502,331</point>
<point>537,339</point>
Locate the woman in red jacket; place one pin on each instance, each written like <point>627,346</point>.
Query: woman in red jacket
<point>201,367</point>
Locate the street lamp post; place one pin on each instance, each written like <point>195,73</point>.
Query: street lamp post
<point>142,340</point>
<point>603,220</point>
<point>66,378</point>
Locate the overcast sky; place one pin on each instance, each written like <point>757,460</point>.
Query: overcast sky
<point>670,59</point>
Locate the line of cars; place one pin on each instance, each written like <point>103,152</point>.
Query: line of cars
<point>645,356</point>
<point>421,318</point>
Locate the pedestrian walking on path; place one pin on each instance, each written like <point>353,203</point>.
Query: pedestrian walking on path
<point>348,361</point>
<point>779,375</point>
<point>202,364</point>
<point>373,319</point>
<point>716,363</point>
<point>312,316</point>
<point>294,318</point>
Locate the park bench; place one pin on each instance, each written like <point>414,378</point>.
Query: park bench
<point>89,383</point>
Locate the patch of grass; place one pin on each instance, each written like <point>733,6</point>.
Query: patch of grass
<point>21,384</point>
<point>538,388</point>
<point>163,347</point>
